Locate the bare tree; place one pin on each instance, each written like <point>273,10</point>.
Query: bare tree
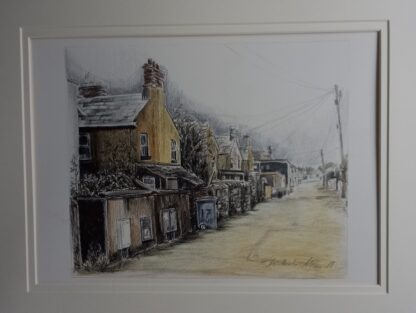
<point>194,150</point>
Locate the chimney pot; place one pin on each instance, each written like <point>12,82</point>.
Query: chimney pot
<point>153,76</point>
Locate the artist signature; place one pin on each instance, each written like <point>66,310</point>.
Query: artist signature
<point>310,262</point>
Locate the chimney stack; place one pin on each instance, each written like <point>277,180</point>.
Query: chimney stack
<point>153,77</point>
<point>232,133</point>
<point>91,90</point>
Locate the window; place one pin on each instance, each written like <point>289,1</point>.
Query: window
<point>84,148</point>
<point>172,183</point>
<point>144,146</point>
<point>173,151</point>
<point>150,181</point>
<point>146,228</point>
<point>169,220</point>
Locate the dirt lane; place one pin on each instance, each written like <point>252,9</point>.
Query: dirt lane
<point>299,236</point>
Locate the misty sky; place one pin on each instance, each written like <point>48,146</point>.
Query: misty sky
<point>279,86</point>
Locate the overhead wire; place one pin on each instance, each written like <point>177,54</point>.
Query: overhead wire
<point>296,104</point>
<point>299,109</point>
<point>298,128</point>
<point>299,82</point>
<point>271,124</point>
<point>302,127</point>
<point>327,134</point>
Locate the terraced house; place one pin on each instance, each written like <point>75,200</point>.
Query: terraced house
<point>117,129</point>
<point>131,133</point>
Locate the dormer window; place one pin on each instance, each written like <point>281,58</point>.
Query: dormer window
<point>173,151</point>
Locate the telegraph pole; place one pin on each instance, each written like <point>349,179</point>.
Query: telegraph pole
<point>323,169</point>
<point>338,95</point>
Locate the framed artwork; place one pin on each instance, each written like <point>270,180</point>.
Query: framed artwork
<point>212,159</point>
<point>265,116</point>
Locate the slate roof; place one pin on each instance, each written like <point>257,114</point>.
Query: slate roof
<point>110,110</point>
<point>126,193</point>
<point>167,170</point>
<point>225,144</point>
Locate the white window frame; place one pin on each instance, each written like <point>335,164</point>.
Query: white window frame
<point>82,157</point>
<point>150,178</point>
<point>142,146</point>
<point>173,151</point>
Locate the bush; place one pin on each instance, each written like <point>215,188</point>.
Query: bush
<point>105,180</point>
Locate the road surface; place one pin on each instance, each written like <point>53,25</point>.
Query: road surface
<point>302,235</point>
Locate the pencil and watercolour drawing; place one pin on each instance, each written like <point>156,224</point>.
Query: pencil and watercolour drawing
<point>210,156</point>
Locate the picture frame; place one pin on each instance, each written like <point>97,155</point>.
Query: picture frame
<point>23,291</point>
<point>28,35</point>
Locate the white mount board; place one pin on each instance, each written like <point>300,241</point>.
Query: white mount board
<point>401,297</point>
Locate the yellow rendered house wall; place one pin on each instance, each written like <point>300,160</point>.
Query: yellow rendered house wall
<point>156,121</point>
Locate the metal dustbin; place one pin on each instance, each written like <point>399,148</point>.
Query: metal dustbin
<point>207,212</point>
